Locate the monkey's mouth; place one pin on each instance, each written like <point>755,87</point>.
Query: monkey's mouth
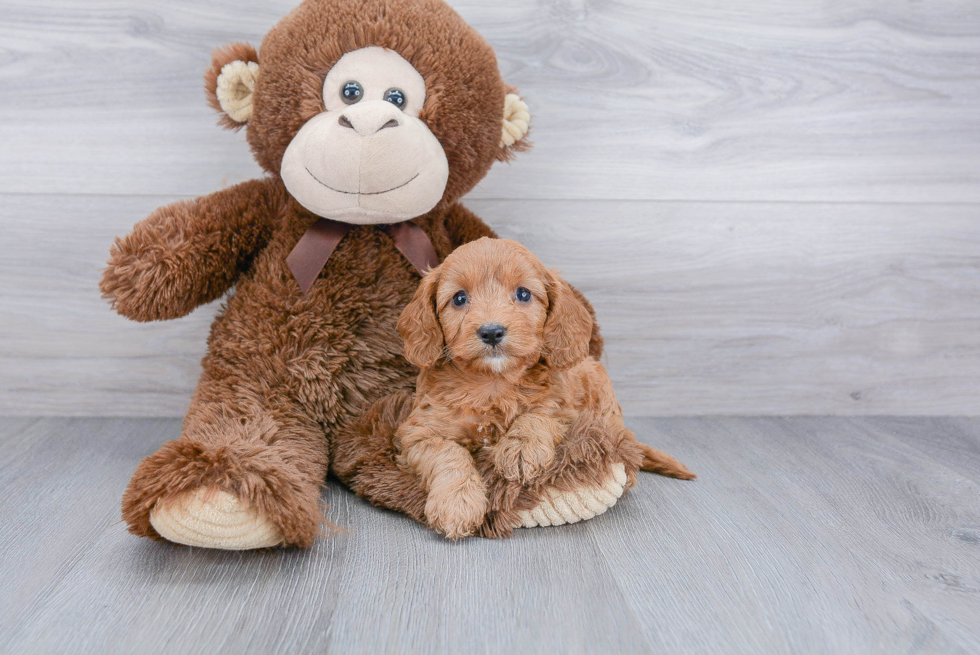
<point>360,193</point>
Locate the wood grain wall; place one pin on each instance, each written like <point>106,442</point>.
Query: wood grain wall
<point>774,206</point>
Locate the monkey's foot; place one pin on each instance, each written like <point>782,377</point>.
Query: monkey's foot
<point>561,507</point>
<point>213,518</point>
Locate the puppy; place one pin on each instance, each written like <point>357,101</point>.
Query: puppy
<point>503,348</point>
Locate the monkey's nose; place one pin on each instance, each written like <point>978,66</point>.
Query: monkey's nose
<point>491,334</point>
<point>370,118</point>
<point>345,122</point>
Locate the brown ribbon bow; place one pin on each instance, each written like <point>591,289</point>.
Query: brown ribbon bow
<point>314,248</point>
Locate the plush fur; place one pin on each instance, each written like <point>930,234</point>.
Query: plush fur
<point>493,425</point>
<point>295,384</point>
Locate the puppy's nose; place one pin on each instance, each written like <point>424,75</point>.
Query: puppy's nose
<point>491,334</point>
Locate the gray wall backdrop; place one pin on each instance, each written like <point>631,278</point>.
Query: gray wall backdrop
<point>775,207</point>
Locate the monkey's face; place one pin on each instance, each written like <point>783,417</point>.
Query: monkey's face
<point>374,111</point>
<point>368,158</point>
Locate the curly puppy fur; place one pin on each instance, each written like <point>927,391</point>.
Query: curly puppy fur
<point>286,373</point>
<point>508,399</point>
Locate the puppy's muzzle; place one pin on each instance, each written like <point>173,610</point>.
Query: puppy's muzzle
<point>492,334</point>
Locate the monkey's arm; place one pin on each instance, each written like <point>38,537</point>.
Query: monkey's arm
<point>465,226</point>
<point>190,252</point>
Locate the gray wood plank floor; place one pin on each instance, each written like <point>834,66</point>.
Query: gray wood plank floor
<point>822,535</point>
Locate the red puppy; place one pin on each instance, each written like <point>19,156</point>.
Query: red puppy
<point>503,344</point>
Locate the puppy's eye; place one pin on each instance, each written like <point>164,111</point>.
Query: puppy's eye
<point>523,295</point>
<point>460,298</point>
<point>395,97</point>
<point>351,92</point>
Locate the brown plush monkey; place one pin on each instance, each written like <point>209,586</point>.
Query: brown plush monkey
<point>377,115</point>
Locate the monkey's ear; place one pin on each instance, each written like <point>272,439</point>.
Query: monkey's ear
<point>516,125</point>
<point>419,325</point>
<point>230,81</point>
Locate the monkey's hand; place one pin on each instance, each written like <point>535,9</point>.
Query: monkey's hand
<point>190,252</point>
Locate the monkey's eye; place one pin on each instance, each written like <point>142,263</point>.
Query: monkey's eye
<point>351,92</point>
<point>395,97</point>
<point>460,298</point>
<point>523,295</point>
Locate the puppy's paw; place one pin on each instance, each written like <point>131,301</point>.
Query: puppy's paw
<point>522,460</point>
<point>457,504</point>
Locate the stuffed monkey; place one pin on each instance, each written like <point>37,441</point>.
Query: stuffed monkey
<point>371,119</point>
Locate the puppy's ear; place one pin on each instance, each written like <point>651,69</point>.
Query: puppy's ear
<point>419,325</point>
<point>230,83</point>
<point>568,328</point>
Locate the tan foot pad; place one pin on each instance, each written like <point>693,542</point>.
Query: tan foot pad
<point>563,507</point>
<point>212,518</point>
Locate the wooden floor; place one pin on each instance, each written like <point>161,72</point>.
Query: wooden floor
<point>824,535</point>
